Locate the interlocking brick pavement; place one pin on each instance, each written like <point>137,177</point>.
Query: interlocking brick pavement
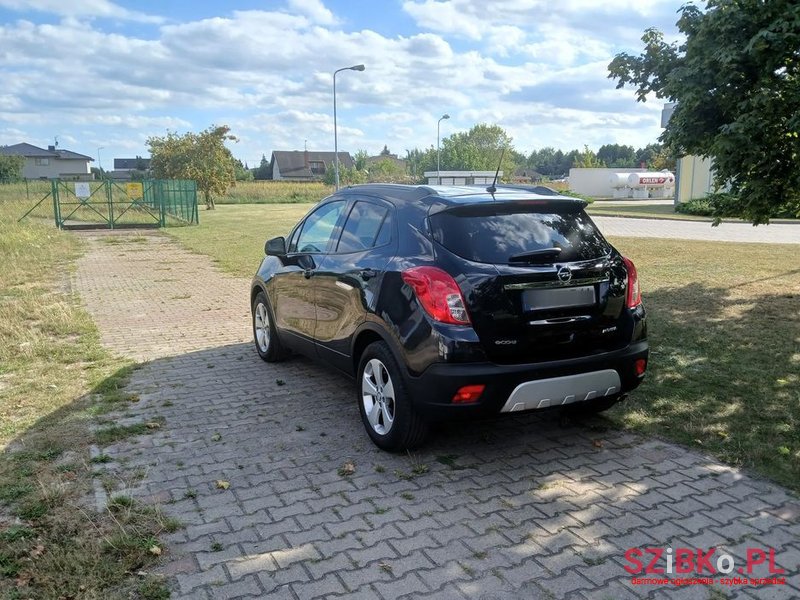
<point>512,508</point>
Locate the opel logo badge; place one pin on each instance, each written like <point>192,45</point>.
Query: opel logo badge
<point>564,274</point>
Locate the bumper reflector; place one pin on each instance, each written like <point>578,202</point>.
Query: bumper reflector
<point>468,394</point>
<point>641,366</point>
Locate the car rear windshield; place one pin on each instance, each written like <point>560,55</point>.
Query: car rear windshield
<point>518,234</point>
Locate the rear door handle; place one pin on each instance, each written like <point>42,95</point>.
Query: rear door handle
<point>367,274</point>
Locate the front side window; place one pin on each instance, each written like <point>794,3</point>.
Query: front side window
<point>318,228</point>
<point>367,226</point>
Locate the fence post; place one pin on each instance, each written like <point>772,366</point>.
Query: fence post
<point>161,207</point>
<point>56,204</point>
<point>109,195</point>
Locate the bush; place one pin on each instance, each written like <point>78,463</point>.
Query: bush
<point>572,194</point>
<point>700,207</point>
<point>11,168</point>
<point>723,204</point>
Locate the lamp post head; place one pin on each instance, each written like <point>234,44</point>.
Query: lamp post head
<point>445,116</point>
<point>358,68</point>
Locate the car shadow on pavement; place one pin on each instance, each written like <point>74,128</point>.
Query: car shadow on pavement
<point>282,492</point>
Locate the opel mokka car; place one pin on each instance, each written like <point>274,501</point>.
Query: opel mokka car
<point>449,303</point>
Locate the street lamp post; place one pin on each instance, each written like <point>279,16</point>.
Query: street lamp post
<point>438,151</point>
<point>335,137</point>
<point>100,161</point>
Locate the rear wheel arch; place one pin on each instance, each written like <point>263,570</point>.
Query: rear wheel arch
<point>366,336</point>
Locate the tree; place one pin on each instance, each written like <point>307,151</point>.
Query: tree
<point>478,149</point>
<point>360,160</point>
<point>262,171</point>
<point>662,160</point>
<point>241,172</point>
<point>199,156</point>
<point>418,161</point>
<point>387,170</point>
<point>587,160</point>
<point>736,79</point>
<point>617,155</point>
<point>645,155</point>
<point>11,167</point>
<point>347,175</point>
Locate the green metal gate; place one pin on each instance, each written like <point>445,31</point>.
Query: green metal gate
<point>114,205</point>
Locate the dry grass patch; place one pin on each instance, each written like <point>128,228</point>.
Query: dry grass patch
<point>276,192</point>
<point>56,378</point>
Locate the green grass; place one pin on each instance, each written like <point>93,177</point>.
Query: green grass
<point>724,327</point>
<point>275,192</point>
<point>54,377</point>
<point>657,211</point>
<point>234,236</point>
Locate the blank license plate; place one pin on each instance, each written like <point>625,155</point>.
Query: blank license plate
<point>558,297</point>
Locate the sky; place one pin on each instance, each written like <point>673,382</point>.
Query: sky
<point>103,76</point>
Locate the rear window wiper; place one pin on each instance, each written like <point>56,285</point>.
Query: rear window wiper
<point>527,256</point>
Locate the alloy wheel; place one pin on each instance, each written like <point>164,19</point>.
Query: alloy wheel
<point>377,394</point>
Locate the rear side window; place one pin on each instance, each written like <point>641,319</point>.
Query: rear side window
<point>512,234</point>
<point>367,226</point>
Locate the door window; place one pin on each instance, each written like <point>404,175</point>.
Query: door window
<point>318,228</point>
<point>367,226</point>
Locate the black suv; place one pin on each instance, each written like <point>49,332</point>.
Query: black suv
<point>454,302</point>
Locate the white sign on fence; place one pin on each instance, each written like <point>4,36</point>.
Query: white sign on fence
<point>82,189</point>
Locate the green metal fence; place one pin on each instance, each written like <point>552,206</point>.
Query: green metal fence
<point>114,204</point>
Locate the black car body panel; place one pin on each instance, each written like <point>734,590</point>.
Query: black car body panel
<point>532,315</point>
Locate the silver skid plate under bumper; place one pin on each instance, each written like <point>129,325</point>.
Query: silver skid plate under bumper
<point>558,391</point>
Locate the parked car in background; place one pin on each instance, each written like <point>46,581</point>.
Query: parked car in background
<point>454,303</point>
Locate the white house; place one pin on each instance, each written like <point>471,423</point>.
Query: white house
<point>51,163</point>
<point>461,177</point>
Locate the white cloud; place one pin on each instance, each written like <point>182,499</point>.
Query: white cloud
<point>267,74</point>
<point>314,10</point>
<point>81,8</point>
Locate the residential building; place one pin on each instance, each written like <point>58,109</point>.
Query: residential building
<point>131,164</point>
<point>305,165</point>
<point>386,155</point>
<point>50,163</point>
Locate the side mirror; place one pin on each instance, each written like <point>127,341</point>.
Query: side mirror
<point>275,247</point>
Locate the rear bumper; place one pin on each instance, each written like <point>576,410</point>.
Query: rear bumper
<point>567,381</point>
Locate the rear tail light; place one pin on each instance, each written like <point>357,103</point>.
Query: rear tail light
<point>634,292</point>
<point>468,394</point>
<point>438,293</point>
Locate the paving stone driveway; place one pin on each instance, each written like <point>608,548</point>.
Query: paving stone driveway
<point>516,508</point>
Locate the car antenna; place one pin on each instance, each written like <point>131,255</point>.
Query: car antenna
<point>493,188</point>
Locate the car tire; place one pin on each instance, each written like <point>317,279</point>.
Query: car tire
<point>384,402</point>
<point>265,335</point>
